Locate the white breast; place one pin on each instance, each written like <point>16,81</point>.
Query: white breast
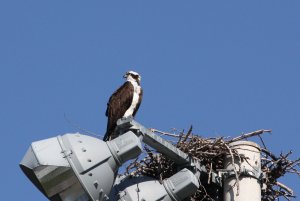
<point>135,99</point>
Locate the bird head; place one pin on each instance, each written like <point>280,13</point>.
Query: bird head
<point>132,75</point>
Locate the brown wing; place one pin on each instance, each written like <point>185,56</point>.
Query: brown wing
<point>117,105</point>
<point>139,103</point>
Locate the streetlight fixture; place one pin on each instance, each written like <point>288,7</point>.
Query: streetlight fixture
<point>76,167</point>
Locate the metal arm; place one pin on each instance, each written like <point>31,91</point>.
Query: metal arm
<point>161,145</point>
<point>156,142</point>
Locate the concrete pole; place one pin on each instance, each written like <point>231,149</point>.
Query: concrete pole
<point>249,184</point>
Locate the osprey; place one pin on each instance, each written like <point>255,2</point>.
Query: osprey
<point>124,102</point>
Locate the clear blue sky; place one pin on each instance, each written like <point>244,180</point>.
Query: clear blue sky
<point>225,67</point>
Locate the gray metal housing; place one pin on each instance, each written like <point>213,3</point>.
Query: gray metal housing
<point>76,167</point>
<point>181,185</point>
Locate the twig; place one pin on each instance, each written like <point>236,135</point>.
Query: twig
<point>209,174</point>
<point>188,133</point>
<point>247,135</point>
<point>166,133</point>
<point>234,169</point>
<point>281,185</point>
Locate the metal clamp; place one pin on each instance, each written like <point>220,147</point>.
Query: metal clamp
<point>257,174</point>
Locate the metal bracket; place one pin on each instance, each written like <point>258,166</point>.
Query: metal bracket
<point>225,174</point>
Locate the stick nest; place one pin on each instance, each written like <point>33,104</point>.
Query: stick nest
<point>211,152</point>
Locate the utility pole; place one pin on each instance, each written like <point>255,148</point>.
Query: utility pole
<point>242,180</point>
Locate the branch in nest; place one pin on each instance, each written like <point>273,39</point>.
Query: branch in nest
<point>188,134</point>
<point>281,185</point>
<point>269,154</point>
<point>171,134</point>
<point>248,135</point>
<point>235,171</point>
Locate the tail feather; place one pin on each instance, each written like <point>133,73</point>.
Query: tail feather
<point>109,135</point>
<point>105,138</point>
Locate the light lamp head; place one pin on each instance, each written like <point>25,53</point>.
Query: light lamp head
<point>78,167</point>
